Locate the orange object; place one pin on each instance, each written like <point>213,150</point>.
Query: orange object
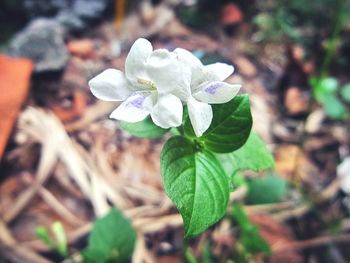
<point>81,48</point>
<point>15,76</point>
<point>119,13</point>
<point>231,14</point>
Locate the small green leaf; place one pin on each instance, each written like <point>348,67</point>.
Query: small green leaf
<point>267,189</point>
<point>323,87</point>
<point>230,126</point>
<point>345,92</point>
<point>195,182</point>
<point>144,129</point>
<point>42,233</point>
<point>112,239</point>
<point>253,155</point>
<point>60,238</point>
<point>334,108</point>
<point>250,237</point>
<point>241,218</point>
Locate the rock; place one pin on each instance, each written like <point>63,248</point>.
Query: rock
<point>43,42</point>
<point>70,21</point>
<point>90,10</point>
<point>35,8</point>
<point>74,15</point>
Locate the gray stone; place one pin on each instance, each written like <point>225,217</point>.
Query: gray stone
<point>70,21</point>
<point>90,9</point>
<point>35,8</point>
<point>43,42</point>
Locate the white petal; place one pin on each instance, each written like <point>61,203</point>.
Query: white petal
<point>201,116</point>
<point>167,112</point>
<point>168,74</point>
<point>135,108</point>
<point>110,85</point>
<point>215,92</point>
<point>187,57</point>
<point>136,60</point>
<point>191,61</point>
<point>221,70</point>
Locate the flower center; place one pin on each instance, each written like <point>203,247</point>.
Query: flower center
<point>148,84</point>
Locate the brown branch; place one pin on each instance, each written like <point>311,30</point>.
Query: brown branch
<point>12,251</point>
<point>310,243</point>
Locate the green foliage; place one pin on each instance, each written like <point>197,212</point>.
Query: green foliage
<point>112,239</point>
<point>267,189</point>
<point>277,26</point>
<point>345,93</point>
<point>297,20</point>
<point>250,237</point>
<point>253,155</point>
<point>230,126</point>
<point>193,177</point>
<point>323,88</point>
<point>326,92</point>
<point>195,181</point>
<point>334,108</point>
<point>58,241</point>
<point>144,129</point>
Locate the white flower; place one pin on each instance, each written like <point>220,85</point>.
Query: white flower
<point>207,87</point>
<point>154,84</point>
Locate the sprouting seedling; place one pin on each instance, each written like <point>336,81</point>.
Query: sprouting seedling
<point>55,238</point>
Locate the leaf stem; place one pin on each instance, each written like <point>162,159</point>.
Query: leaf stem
<point>332,44</point>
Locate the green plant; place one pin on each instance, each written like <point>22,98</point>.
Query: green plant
<point>331,96</point>
<point>112,239</point>
<point>57,241</point>
<point>162,90</point>
<point>250,241</point>
<point>298,21</point>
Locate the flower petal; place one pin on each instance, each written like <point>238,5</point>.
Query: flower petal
<point>110,85</point>
<point>168,74</point>
<point>201,116</point>
<point>188,59</point>
<point>220,70</point>
<point>215,92</point>
<point>167,112</point>
<point>136,60</point>
<point>136,108</point>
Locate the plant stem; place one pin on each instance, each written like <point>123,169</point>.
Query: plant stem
<point>189,257</point>
<point>332,44</point>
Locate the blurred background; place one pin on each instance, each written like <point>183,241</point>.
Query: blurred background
<point>63,160</point>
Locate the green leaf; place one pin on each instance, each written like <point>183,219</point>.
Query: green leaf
<point>323,87</point>
<point>42,234</point>
<point>144,129</point>
<point>250,237</point>
<point>253,155</point>
<point>195,182</point>
<point>112,239</point>
<point>345,92</point>
<point>267,189</point>
<point>241,218</point>
<point>230,126</point>
<point>60,238</point>
<point>334,108</point>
